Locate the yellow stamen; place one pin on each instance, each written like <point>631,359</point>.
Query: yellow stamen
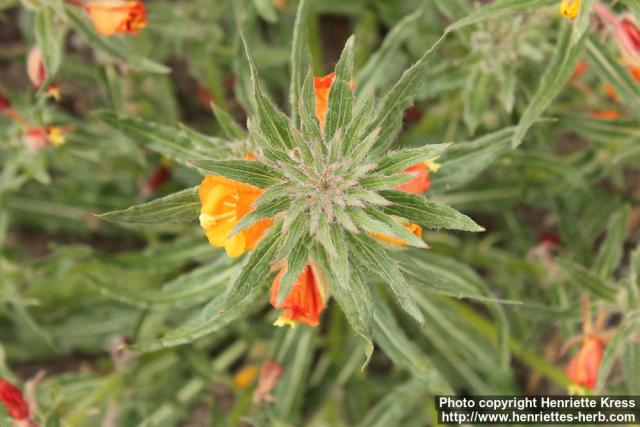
<point>432,165</point>
<point>208,220</point>
<point>283,321</point>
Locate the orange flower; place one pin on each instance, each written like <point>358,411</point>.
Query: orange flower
<point>224,203</point>
<point>117,16</point>
<point>569,9</point>
<point>322,86</point>
<point>413,228</point>
<point>421,182</point>
<point>13,401</point>
<point>605,114</point>
<point>305,300</point>
<point>583,368</point>
<point>635,72</point>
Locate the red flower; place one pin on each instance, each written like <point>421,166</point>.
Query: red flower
<point>11,398</point>
<point>304,303</point>
<point>583,368</point>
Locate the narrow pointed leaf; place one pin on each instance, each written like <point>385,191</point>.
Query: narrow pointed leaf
<point>400,160</point>
<point>426,212</point>
<point>273,124</point>
<point>299,57</point>
<point>262,211</point>
<point>257,268</point>
<point>247,171</point>
<point>371,254</point>
<point>183,206</point>
<point>561,66</point>
<point>340,101</point>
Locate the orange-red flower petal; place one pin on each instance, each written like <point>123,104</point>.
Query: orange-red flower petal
<point>303,303</point>
<point>420,182</point>
<point>117,16</point>
<point>223,203</point>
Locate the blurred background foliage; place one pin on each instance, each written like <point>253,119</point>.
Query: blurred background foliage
<point>561,213</point>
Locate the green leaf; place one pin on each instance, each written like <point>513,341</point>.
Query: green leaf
<point>433,273</point>
<point>49,40</point>
<point>231,129</point>
<point>380,60</point>
<point>273,124</point>
<point>610,70</point>
<point>426,212</point>
<point>262,211</point>
<point>257,268</point>
<point>247,171</point>
<point>210,319</point>
<point>400,160</point>
<point>477,94</point>
<point>580,276</point>
<point>389,114</point>
<point>582,22</point>
<point>612,248</point>
<point>174,143</point>
<point>297,359</point>
<point>622,338</point>
<point>388,413</point>
<point>307,108</point>
<point>500,8</point>
<point>561,66</point>
<point>465,160</point>
<point>358,123</point>
<point>110,46</point>
<point>299,57</point>
<point>397,230</point>
<point>384,182</point>
<point>350,291</point>
<point>371,254</point>
<point>295,262</point>
<point>187,290</point>
<point>404,352</point>
<point>340,101</point>
<point>382,224</point>
<point>183,206</point>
